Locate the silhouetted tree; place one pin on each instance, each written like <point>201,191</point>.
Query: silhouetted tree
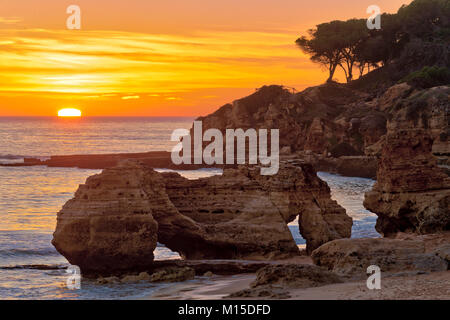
<point>334,44</point>
<point>351,34</point>
<point>323,47</point>
<point>418,33</point>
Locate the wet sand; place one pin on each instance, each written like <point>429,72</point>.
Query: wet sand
<point>203,288</point>
<point>434,286</point>
<point>216,286</point>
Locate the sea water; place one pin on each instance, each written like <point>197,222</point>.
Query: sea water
<point>30,197</point>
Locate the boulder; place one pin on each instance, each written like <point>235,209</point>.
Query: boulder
<point>274,281</point>
<point>294,276</point>
<point>352,257</point>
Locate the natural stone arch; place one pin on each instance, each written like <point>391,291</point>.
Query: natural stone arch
<point>239,215</point>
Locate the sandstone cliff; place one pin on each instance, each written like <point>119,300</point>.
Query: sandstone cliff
<point>330,118</point>
<point>412,192</point>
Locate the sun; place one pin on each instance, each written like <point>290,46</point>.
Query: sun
<point>69,112</point>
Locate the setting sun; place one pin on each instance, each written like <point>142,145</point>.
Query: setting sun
<point>69,112</point>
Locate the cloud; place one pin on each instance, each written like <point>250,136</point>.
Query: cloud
<point>10,20</point>
<point>130,97</point>
<point>98,62</point>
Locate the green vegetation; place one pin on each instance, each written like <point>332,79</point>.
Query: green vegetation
<point>428,77</point>
<point>417,35</point>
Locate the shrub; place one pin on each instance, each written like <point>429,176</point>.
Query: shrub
<point>428,77</point>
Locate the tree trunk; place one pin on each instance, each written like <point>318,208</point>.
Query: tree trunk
<point>350,71</point>
<point>345,71</point>
<point>332,70</point>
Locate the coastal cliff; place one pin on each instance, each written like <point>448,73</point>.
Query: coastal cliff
<point>412,192</point>
<point>328,119</point>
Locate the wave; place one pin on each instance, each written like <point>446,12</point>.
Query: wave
<point>35,267</point>
<point>29,252</point>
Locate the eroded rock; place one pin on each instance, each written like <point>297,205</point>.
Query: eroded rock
<point>108,225</point>
<point>173,275</point>
<point>245,214</point>
<point>352,257</point>
<point>115,219</point>
<point>273,281</point>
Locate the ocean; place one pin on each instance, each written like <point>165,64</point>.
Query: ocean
<point>30,197</point>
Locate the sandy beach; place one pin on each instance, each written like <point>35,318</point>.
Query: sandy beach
<point>216,287</point>
<point>434,286</point>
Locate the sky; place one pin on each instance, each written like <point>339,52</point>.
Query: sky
<point>157,58</point>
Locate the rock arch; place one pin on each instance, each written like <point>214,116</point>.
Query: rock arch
<point>116,217</point>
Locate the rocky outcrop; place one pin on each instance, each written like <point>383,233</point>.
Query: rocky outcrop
<point>237,218</point>
<point>216,267</point>
<point>326,119</point>
<point>173,275</point>
<point>412,192</point>
<point>116,218</point>
<point>109,225</point>
<point>154,159</point>
<point>352,257</point>
<point>243,206</point>
<point>334,120</point>
<point>169,274</point>
<point>274,281</point>
<point>294,276</point>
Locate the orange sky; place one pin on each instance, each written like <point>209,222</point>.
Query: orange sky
<point>156,58</point>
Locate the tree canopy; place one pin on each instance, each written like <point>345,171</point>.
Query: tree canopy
<point>349,44</point>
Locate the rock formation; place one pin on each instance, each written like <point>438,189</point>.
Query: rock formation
<point>116,218</point>
<point>294,276</point>
<point>326,119</point>
<point>412,192</point>
<point>274,281</point>
<point>109,224</point>
<point>351,257</point>
<point>247,213</point>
